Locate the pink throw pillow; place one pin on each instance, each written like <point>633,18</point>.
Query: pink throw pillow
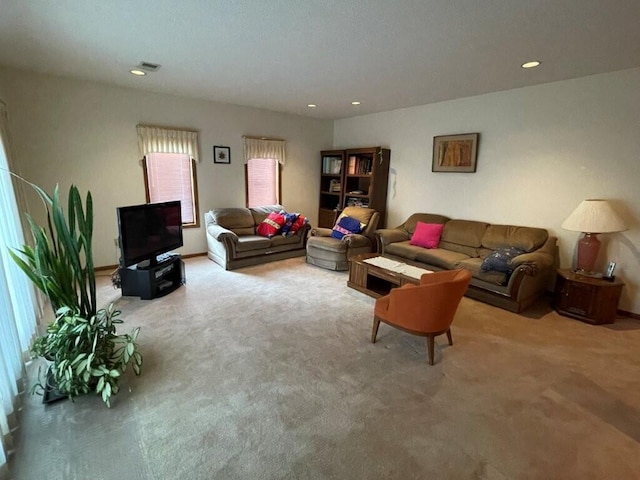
<point>427,235</point>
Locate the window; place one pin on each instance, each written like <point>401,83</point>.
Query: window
<point>172,176</point>
<point>169,159</point>
<point>262,182</point>
<point>18,302</point>
<point>264,157</point>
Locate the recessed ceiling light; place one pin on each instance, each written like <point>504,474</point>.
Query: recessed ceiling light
<point>137,72</point>
<point>532,64</point>
<point>355,103</point>
<point>312,105</point>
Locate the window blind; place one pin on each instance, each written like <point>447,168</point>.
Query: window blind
<point>169,178</point>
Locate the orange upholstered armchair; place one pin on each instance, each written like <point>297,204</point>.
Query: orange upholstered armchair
<point>426,309</point>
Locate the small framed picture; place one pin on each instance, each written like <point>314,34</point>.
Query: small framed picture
<point>221,154</point>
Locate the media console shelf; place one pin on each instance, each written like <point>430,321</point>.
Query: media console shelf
<point>152,282</point>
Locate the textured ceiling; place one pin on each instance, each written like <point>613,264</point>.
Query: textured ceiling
<point>283,54</point>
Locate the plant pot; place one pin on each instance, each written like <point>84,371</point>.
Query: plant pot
<point>51,392</point>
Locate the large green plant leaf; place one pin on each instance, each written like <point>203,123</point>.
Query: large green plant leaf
<point>60,263</point>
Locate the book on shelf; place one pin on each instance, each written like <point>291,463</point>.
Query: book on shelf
<point>359,166</point>
<point>353,162</point>
<point>364,166</point>
<point>331,165</point>
<point>356,202</point>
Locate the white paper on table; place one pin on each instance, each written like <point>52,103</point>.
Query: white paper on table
<point>397,267</point>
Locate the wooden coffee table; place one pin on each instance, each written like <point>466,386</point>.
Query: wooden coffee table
<point>373,280</point>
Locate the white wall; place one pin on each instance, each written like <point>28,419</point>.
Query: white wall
<point>542,150</point>
<point>70,131</point>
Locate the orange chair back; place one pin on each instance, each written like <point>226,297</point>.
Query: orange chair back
<point>426,308</point>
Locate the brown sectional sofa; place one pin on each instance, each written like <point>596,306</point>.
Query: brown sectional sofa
<point>466,243</point>
<point>232,241</point>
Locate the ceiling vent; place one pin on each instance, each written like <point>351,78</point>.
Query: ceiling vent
<point>149,67</point>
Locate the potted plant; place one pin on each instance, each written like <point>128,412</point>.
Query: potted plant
<point>85,352</point>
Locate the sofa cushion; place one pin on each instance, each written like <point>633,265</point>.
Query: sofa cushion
<point>463,236</point>
<point>474,265</point>
<point>362,214</point>
<point>439,257</point>
<point>500,260</point>
<point>271,225</point>
<point>260,213</point>
<point>410,224</point>
<point>426,235</point>
<point>524,238</point>
<point>239,220</point>
<point>285,240</point>
<point>403,249</point>
<point>328,244</point>
<point>247,243</point>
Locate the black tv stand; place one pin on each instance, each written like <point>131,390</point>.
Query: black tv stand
<point>159,260</point>
<point>153,280</point>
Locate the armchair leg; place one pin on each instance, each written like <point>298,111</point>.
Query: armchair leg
<point>374,331</point>
<point>449,337</point>
<point>431,347</point>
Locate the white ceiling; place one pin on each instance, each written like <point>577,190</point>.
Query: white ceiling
<point>283,54</point>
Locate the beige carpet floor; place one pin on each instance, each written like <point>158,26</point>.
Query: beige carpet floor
<point>268,373</point>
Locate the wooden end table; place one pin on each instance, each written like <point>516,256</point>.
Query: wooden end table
<point>592,300</point>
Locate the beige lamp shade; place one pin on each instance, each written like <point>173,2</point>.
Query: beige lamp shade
<point>594,216</point>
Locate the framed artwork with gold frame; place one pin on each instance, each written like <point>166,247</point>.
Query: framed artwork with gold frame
<point>455,153</point>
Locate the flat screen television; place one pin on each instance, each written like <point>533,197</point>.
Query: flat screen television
<point>148,230</point>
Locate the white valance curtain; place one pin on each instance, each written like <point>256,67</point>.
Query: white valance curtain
<point>166,140</point>
<point>264,148</point>
<point>19,309</point>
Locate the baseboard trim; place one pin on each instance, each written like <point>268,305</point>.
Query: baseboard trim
<point>624,313</point>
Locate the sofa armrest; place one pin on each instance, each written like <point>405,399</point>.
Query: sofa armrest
<point>386,236</point>
<point>220,233</point>
<point>542,259</point>
<point>356,240</point>
<point>320,232</point>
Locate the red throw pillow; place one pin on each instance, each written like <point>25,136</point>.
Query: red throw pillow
<point>298,224</point>
<point>427,235</point>
<point>271,225</point>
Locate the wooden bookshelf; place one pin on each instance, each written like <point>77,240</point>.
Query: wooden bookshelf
<point>363,176</point>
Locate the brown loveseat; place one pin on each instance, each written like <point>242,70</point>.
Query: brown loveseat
<point>466,244</point>
<point>232,241</point>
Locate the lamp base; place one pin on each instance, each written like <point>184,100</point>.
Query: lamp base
<point>588,248</point>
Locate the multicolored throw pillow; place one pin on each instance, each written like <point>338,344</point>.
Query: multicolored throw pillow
<point>289,218</point>
<point>271,225</point>
<point>300,222</point>
<point>346,226</point>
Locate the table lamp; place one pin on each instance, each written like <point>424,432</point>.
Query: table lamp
<point>592,217</point>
